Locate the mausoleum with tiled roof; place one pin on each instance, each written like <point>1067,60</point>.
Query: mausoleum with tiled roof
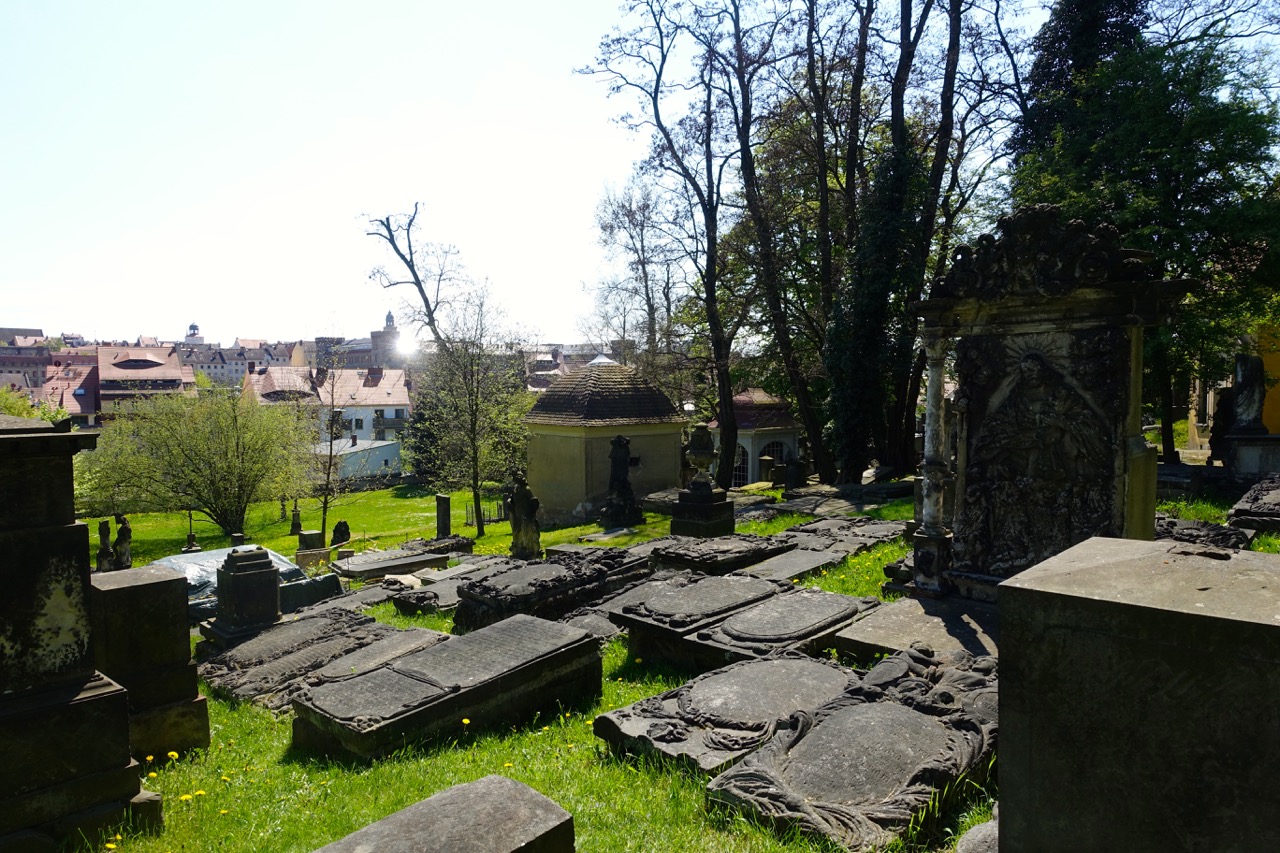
<point>570,430</point>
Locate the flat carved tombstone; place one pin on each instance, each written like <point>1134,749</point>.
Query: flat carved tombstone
<point>490,815</point>
<point>498,675</point>
<point>804,620</point>
<point>718,555</point>
<point>859,768</point>
<point>719,716</point>
<point>657,626</point>
<point>1258,508</point>
<point>793,565</point>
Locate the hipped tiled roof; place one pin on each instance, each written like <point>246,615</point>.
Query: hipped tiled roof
<point>755,408</point>
<point>603,393</point>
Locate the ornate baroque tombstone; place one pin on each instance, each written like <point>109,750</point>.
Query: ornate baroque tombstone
<point>702,509</point>
<point>620,509</point>
<point>1049,319</point>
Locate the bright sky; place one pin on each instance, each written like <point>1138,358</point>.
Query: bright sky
<point>163,163</point>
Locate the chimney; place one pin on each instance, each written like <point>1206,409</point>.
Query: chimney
<point>251,366</point>
<point>353,439</point>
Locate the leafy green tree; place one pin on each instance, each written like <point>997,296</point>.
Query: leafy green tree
<point>215,453</point>
<point>1175,145</point>
<point>19,405</point>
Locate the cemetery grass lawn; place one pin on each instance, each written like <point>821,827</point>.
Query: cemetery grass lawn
<point>250,792</point>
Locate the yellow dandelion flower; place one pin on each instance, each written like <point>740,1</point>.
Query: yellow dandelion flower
<point>224,811</point>
<point>185,797</point>
<point>465,721</point>
<point>111,847</point>
<point>151,775</point>
<point>639,660</point>
<point>508,764</point>
<point>226,778</point>
<point>151,758</point>
<point>200,793</point>
<point>119,837</point>
<point>173,756</point>
<point>571,746</point>
<point>546,728</point>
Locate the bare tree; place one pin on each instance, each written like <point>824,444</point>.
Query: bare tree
<point>432,269</point>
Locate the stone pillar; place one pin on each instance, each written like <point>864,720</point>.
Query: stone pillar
<point>932,540</point>
<point>64,727</point>
<point>444,516</point>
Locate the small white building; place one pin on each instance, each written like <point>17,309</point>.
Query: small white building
<point>361,460</point>
<point>765,428</point>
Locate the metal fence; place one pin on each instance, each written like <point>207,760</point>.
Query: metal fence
<point>495,511</point>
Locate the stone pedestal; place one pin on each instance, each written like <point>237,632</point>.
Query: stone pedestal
<point>1137,700</point>
<point>310,540</point>
<point>444,516</point>
<point>1253,455</point>
<point>141,640</point>
<point>64,728</point>
<point>248,597</point>
<point>704,511</point>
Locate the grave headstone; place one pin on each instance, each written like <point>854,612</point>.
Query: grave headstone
<point>719,716</point>
<point>341,534</point>
<point>1153,668</point>
<point>444,516</point>
<point>106,557</point>
<point>310,540</point>
<point>248,597</point>
<point>620,509</point>
<point>1048,319</point>
<point>83,779</point>
<point>702,508</point>
<point>141,641</point>
<point>522,509</point>
<point>490,815</point>
<point>498,675</point>
<point>859,768</point>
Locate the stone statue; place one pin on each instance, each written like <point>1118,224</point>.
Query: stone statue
<point>522,510</point>
<point>341,534</point>
<point>1251,389</point>
<point>124,538</point>
<point>620,508</point>
<point>106,557</point>
<point>1224,421</point>
<point>619,465</point>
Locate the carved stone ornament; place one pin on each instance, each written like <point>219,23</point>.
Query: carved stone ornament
<point>859,768</point>
<point>714,719</point>
<point>1035,253</point>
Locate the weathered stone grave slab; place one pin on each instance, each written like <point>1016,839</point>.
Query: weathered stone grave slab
<point>464,567</point>
<point>941,624</point>
<point>1159,664</point>
<point>355,600</point>
<point>802,620</point>
<point>861,766</point>
<point>490,815</point>
<point>288,652</point>
<point>598,616</point>
<point>441,595</point>
<point>500,674</point>
<point>657,626</point>
<point>548,589</point>
<point>1259,508</point>
<point>646,549</point>
<point>718,555</point>
<point>719,716</point>
<point>371,565</point>
<point>1203,532</point>
<point>820,505</point>
<point>793,565</point>
<point>855,528</point>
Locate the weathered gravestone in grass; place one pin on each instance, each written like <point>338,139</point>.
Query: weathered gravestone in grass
<point>490,815</point>
<point>802,620</point>
<point>720,716</point>
<point>718,555</point>
<point>405,560</point>
<point>142,641</point>
<point>657,626</point>
<point>793,565</point>
<point>548,589</point>
<point>64,727</point>
<point>1139,700</point>
<point>860,767</point>
<point>499,675</point>
<point>1259,508</point>
<point>262,668</point>
<point>439,592</point>
<point>598,617</point>
<point>248,598</point>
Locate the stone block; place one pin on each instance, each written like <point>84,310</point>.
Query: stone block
<point>295,595</point>
<point>717,556</point>
<point>371,565</point>
<point>941,624</point>
<point>161,686</point>
<point>859,768</point>
<point>51,735</point>
<point>490,815</point>
<point>312,558</point>
<point>139,620</point>
<point>499,675</point>
<point>719,716</point>
<point>793,565</point>
<point>180,727</point>
<point>802,620</point>
<point>1138,700</point>
<point>689,518</point>
<point>310,540</point>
